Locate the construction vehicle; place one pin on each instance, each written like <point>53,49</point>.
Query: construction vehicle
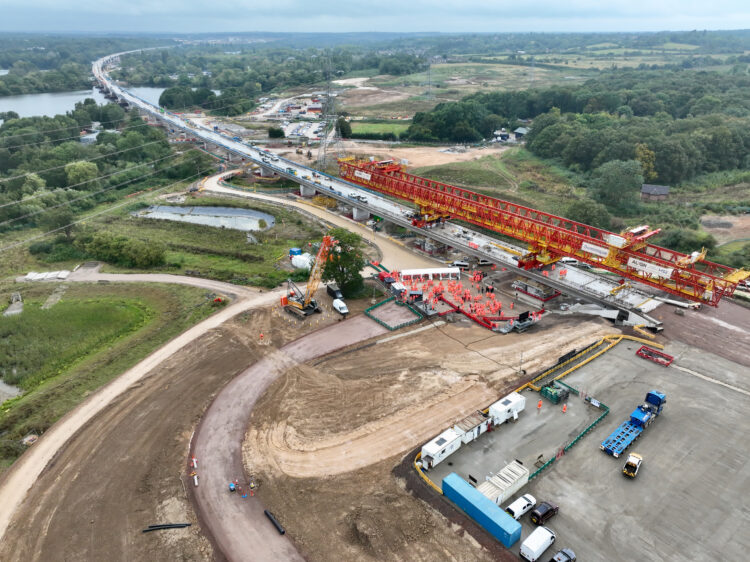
<point>632,465</point>
<point>303,304</point>
<point>643,416</point>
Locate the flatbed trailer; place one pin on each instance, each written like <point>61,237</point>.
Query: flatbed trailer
<point>630,430</point>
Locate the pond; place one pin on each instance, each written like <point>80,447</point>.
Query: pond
<point>8,391</point>
<point>221,217</point>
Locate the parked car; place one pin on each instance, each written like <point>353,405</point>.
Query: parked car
<point>340,307</point>
<point>536,543</point>
<point>522,505</point>
<point>564,555</point>
<point>543,513</point>
<point>484,261</point>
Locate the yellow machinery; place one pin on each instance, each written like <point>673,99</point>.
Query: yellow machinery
<point>303,304</point>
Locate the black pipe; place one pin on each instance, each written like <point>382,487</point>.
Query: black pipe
<point>276,524</point>
<point>166,526</point>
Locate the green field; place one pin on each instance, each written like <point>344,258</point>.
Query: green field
<point>359,127</point>
<point>515,175</point>
<point>217,253</point>
<point>61,355</point>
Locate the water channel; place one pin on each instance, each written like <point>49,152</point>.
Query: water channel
<point>221,217</point>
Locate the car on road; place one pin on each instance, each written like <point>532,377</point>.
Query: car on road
<point>522,505</point>
<point>564,555</point>
<point>543,513</point>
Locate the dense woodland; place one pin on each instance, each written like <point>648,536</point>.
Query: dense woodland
<point>47,175</point>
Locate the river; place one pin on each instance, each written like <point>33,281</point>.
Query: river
<point>59,103</point>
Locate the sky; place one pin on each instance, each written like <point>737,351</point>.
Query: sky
<point>183,16</point>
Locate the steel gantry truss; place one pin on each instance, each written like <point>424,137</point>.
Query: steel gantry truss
<point>551,237</point>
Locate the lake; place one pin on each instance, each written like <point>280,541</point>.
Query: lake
<point>222,217</point>
<point>29,105</point>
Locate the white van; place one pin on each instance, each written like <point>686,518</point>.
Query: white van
<point>460,263</point>
<point>536,543</point>
<point>522,505</point>
<point>569,261</point>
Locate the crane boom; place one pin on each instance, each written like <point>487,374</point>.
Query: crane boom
<point>550,237</point>
<point>316,273</point>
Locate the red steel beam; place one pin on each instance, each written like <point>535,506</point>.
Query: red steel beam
<point>652,265</point>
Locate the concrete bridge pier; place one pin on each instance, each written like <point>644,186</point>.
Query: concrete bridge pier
<point>306,191</point>
<point>266,172</point>
<point>360,214</point>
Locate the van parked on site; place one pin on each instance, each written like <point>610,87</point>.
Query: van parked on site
<point>484,261</point>
<point>460,263</point>
<point>522,505</point>
<point>569,261</point>
<point>536,543</point>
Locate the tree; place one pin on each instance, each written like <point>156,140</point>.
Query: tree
<point>275,133</point>
<point>32,183</point>
<point>59,219</point>
<point>647,158</point>
<point>345,129</point>
<point>81,172</point>
<point>617,184</point>
<point>345,262</point>
<point>589,212</point>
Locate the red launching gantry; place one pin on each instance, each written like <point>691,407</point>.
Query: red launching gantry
<point>551,237</point>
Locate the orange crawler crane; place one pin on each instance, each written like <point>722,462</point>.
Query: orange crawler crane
<point>550,237</point>
<point>303,304</point>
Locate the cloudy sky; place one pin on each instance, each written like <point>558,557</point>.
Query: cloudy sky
<point>368,15</point>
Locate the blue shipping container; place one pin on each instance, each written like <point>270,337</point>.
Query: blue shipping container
<point>482,510</point>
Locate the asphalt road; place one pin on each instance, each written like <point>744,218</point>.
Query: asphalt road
<point>238,527</point>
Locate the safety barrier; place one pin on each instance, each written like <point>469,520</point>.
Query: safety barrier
<point>423,475</point>
<point>368,313</point>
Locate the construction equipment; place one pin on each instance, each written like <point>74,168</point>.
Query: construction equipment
<point>303,304</point>
<point>655,355</point>
<point>622,437</point>
<point>632,465</point>
<point>550,237</point>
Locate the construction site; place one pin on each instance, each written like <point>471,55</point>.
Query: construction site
<point>506,368</point>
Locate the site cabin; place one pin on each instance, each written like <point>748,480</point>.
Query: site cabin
<point>471,427</point>
<point>506,408</point>
<point>437,274</point>
<point>440,448</point>
<point>503,485</point>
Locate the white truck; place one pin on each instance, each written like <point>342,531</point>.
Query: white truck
<point>340,307</point>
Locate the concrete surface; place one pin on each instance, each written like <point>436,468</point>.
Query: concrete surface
<point>690,501</point>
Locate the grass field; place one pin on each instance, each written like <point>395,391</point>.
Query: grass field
<point>359,127</point>
<point>93,334</point>
<point>217,253</point>
<point>515,175</point>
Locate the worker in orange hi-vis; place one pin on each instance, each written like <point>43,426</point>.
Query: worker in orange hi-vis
<point>565,408</point>
<point>539,404</point>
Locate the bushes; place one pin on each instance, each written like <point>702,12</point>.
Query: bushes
<point>127,252</point>
<point>275,133</point>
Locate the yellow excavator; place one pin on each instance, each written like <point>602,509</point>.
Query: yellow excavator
<point>303,304</point>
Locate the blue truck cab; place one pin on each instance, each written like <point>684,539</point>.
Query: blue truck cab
<point>622,437</point>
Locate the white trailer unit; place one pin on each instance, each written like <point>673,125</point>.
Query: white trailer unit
<point>471,427</point>
<point>507,408</point>
<point>505,483</point>
<point>440,448</point>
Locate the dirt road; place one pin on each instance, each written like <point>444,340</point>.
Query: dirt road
<point>395,254</point>
<point>239,526</point>
<point>25,471</point>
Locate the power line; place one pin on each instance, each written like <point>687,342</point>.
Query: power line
<point>82,160</point>
<point>25,199</point>
<point>87,217</point>
<point>46,209</point>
